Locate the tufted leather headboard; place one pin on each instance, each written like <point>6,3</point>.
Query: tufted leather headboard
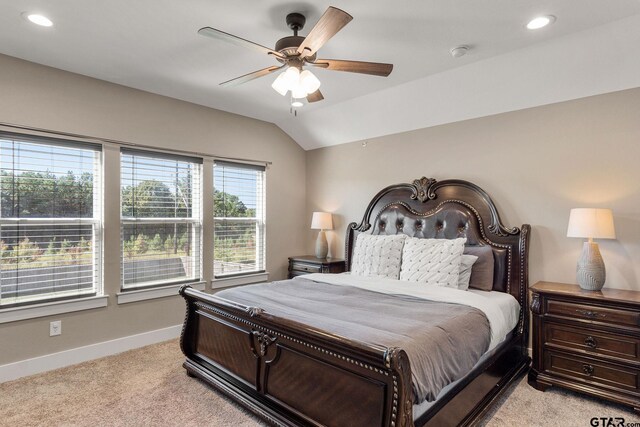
<point>446,210</point>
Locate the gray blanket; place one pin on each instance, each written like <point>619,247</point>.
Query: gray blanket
<point>443,341</point>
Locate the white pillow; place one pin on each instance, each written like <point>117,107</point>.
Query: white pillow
<point>377,255</point>
<point>465,271</point>
<point>432,261</point>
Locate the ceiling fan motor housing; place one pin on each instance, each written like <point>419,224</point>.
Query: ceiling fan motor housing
<point>296,21</point>
<point>288,46</point>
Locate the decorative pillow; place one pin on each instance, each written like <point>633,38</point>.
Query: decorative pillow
<point>432,261</point>
<point>465,271</point>
<point>482,271</point>
<point>377,255</point>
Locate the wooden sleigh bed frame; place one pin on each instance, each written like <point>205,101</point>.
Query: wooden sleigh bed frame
<point>294,375</point>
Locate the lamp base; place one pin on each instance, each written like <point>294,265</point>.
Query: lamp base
<point>590,272</point>
<point>322,247</point>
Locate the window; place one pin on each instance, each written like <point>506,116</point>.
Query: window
<point>49,219</point>
<point>160,222</point>
<point>238,219</point>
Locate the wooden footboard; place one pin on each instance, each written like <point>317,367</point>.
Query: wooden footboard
<point>292,374</point>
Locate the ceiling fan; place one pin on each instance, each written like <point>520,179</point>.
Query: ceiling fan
<point>295,52</point>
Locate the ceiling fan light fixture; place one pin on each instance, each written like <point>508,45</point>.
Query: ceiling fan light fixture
<point>298,92</point>
<point>297,103</point>
<point>295,52</point>
<point>292,76</point>
<point>309,81</point>
<point>280,84</point>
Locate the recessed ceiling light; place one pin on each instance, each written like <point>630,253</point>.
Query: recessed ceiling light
<point>38,19</point>
<point>540,22</point>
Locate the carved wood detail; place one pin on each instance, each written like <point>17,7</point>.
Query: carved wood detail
<point>264,341</point>
<point>254,311</point>
<point>397,360</point>
<point>523,247</point>
<point>423,189</point>
<point>187,313</point>
<point>535,303</point>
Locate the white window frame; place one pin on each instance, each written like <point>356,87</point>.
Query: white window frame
<point>157,289</point>
<point>259,274</point>
<point>62,302</point>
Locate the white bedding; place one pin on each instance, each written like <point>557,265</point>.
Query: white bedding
<point>502,309</point>
<point>506,303</point>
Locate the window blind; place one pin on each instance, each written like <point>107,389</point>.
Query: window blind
<point>160,219</point>
<point>50,228</point>
<point>239,219</point>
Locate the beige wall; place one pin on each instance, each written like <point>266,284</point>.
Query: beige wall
<point>44,97</point>
<point>536,164</point>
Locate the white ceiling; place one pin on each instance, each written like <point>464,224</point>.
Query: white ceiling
<point>153,45</point>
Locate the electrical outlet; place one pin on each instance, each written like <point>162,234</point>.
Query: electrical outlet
<point>55,328</point>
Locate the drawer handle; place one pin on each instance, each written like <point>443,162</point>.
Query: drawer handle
<point>587,369</point>
<point>590,342</point>
<point>592,314</point>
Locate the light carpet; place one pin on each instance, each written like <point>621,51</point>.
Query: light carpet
<point>149,387</point>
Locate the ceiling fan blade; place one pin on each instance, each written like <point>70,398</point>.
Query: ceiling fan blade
<point>374,68</point>
<point>238,41</point>
<point>315,96</point>
<point>332,21</point>
<point>248,77</point>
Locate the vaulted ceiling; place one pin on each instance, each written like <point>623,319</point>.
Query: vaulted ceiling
<point>153,45</point>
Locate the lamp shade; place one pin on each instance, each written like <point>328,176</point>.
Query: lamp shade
<point>322,221</point>
<point>298,92</point>
<point>591,223</point>
<point>309,82</point>
<point>280,84</point>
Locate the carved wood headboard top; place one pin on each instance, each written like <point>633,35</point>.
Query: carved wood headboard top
<point>449,209</point>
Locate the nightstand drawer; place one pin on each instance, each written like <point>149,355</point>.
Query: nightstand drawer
<point>592,341</point>
<point>611,316</point>
<point>307,268</point>
<point>586,341</point>
<point>593,372</point>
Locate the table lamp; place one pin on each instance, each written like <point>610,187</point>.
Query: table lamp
<point>321,221</point>
<point>591,223</point>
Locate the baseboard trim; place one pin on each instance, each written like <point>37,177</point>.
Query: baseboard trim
<point>49,362</point>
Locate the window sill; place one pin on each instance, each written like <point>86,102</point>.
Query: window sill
<point>239,280</point>
<point>51,308</point>
<point>225,282</point>
<point>135,295</point>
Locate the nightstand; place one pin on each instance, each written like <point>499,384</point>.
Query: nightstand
<point>587,341</point>
<point>306,264</point>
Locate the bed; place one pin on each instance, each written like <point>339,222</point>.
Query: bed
<point>293,366</point>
